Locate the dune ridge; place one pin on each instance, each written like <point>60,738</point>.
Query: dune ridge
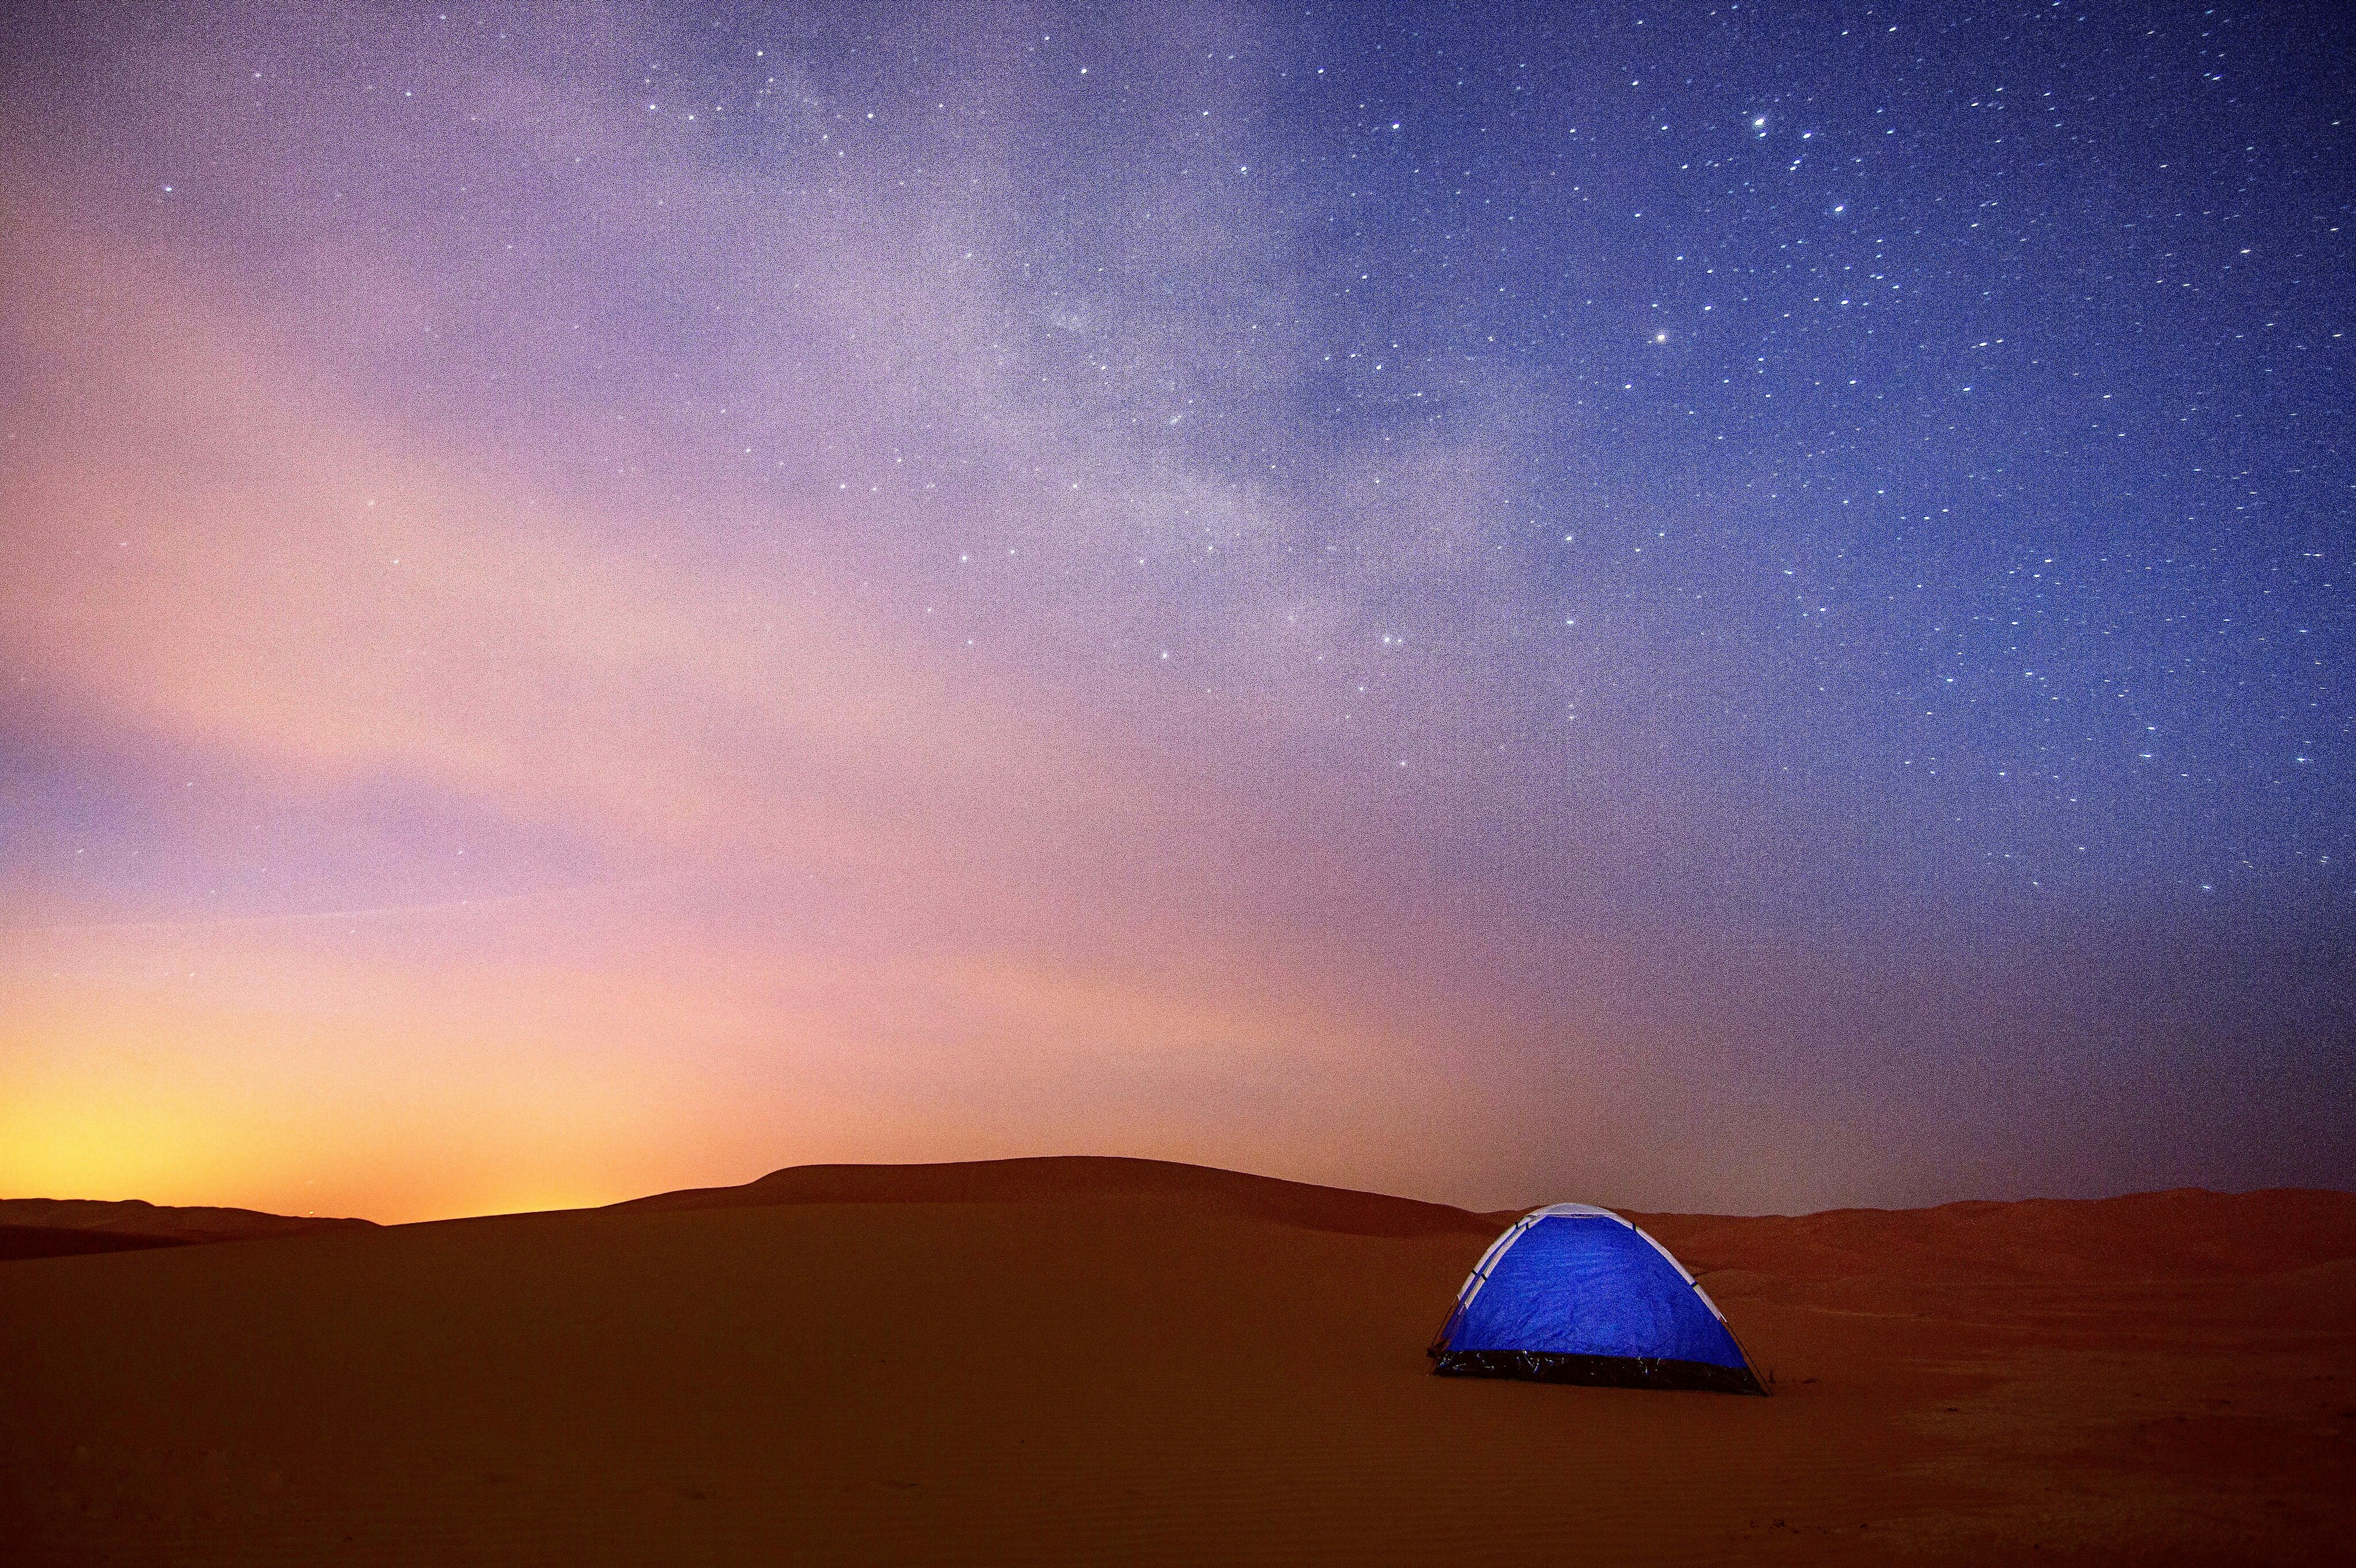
<point>2182,1233</point>
<point>1063,1178</point>
<point>62,1227</point>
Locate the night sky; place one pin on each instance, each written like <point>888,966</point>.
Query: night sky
<point>1744,608</point>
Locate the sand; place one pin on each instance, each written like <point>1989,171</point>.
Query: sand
<point>1101,1365</point>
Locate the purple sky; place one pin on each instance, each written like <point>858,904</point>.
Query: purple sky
<point>1740,611</point>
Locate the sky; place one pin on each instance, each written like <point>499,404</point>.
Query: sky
<point>1742,608</point>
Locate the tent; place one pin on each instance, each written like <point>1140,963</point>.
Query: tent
<point>1571,1294</point>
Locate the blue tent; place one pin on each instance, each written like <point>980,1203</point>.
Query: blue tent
<point>1576,1295</point>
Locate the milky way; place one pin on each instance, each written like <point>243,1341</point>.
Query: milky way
<point>1744,608</point>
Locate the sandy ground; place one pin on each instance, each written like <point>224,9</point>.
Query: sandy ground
<point>1105,1373</point>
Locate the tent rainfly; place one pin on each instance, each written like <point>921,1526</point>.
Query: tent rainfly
<point>1571,1294</point>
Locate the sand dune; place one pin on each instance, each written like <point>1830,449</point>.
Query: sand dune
<point>1067,1362</point>
<point>56,1227</point>
<point>62,1242</point>
<point>2184,1234</point>
<point>1054,1179</point>
<point>132,1217</point>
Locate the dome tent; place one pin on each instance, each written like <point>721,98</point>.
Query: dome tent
<point>1577,1294</point>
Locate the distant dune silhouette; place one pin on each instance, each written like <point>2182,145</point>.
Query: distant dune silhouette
<point>2188,1232</point>
<point>58,1227</point>
<point>1063,1178</point>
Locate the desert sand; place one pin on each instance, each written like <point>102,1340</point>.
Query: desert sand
<point>1122,1362</point>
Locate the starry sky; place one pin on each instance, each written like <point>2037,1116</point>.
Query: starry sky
<point>1740,607</point>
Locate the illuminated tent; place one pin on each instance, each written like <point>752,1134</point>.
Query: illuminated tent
<point>1571,1294</point>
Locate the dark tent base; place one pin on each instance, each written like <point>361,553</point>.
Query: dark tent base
<point>1596,1371</point>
